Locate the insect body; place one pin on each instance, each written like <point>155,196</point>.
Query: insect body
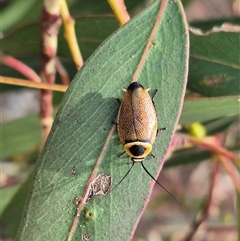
<point>137,126</point>
<point>137,122</point>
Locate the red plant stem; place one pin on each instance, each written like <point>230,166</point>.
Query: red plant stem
<point>62,72</point>
<point>229,168</point>
<point>50,23</point>
<point>20,67</point>
<point>197,222</point>
<point>213,147</point>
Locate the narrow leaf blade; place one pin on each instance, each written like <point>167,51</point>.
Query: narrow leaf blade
<point>214,61</point>
<point>82,125</point>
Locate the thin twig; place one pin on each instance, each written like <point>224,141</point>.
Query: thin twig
<point>29,84</point>
<point>19,66</point>
<point>212,147</point>
<point>70,34</point>
<point>229,168</point>
<point>120,11</point>
<point>62,72</point>
<point>198,221</point>
<point>50,23</point>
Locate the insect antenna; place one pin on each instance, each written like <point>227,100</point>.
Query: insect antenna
<point>159,183</point>
<point>124,176</point>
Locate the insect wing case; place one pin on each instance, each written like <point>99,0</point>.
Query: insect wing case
<point>137,119</point>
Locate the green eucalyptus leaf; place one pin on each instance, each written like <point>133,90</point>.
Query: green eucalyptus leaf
<point>204,109</point>
<point>25,41</point>
<point>214,65</point>
<point>12,206</point>
<point>83,123</point>
<point>19,136</point>
<point>18,13</point>
<point>187,156</point>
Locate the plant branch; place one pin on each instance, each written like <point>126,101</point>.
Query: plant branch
<point>212,147</point>
<point>198,221</point>
<point>20,67</point>
<point>62,72</point>
<point>50,23</point>
<point>70,34</point>
<point>29,84</point>
<point>229,169</point>
<point>120,11</point>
